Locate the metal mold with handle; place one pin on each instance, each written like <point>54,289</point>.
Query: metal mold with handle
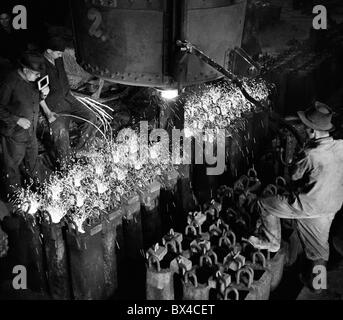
<point>54,248</point>
<point>262,275</point>
<point>159,282</point>
<point>246,291</point>
<point>112,237</point>
<point>225,295</point>
<point>132,228</point>
<point>194,290</point>
<point>86,262</point>
<point>150,212</point>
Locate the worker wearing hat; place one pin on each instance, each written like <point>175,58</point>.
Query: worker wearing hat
<point>19,107</point>
<point>13,42</point>
<point>61,101</point>
<point>319,173</point>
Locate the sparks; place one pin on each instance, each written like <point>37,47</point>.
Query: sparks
<point>101,178</point>
<point>219,106</point>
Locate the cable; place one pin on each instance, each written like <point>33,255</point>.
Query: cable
<point>82,119</point>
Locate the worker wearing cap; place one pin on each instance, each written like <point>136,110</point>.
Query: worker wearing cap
<point>319,173</point>
<point>19,107</point>
<point>14,42</point>
<point>61,101</point>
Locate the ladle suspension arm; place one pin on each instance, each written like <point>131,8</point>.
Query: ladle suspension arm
<point>190,48</point>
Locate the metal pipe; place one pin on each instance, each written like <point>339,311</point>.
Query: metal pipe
<point>190,48</point>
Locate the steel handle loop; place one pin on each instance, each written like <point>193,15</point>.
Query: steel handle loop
<point>228,290</point>
<point>233,236</point>
<point>207,258</point>
<point>224,239</point>
<point>152,258</point>
<point>252,173</point>
<point>272,189</point>
<point>261,257</point>
<point>245,270</point>
<point>280,182</point>
<point>212,254</point>
<point>191,275</point>
<point>192,228</point>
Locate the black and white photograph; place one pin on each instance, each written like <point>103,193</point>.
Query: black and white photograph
<point>171,155</point>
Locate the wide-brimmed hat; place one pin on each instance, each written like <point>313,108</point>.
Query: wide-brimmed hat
<point>33,60</point>
<point>317,117</point>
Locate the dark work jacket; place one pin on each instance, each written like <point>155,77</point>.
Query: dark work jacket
<point>18,99</point>
<point>12,44</point>
<point>60,94</point>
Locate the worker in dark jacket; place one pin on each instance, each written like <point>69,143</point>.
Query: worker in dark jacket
<point>19,107</point>
<point>13,42</point>
<point>62,102</point>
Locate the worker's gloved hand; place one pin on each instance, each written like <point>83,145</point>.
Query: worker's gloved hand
<point>24,123</point>
<point>45,92</point>
<point>3,243</point>
<point>52,116</point>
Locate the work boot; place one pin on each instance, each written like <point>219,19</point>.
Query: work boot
<point>268,233</point>
<point>261,244</point>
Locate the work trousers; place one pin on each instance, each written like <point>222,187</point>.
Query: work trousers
<point>313,231</point>
<point>19,161</point>
<point>60,130</point>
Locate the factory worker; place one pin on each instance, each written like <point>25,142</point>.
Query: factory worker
<point>11,44</point>
<point>318,175</point>
<point>14,42</point>
<point>19,108</point>
<point>61,101</point>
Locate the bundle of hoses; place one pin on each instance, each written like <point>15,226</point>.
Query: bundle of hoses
<point>101,112</point>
